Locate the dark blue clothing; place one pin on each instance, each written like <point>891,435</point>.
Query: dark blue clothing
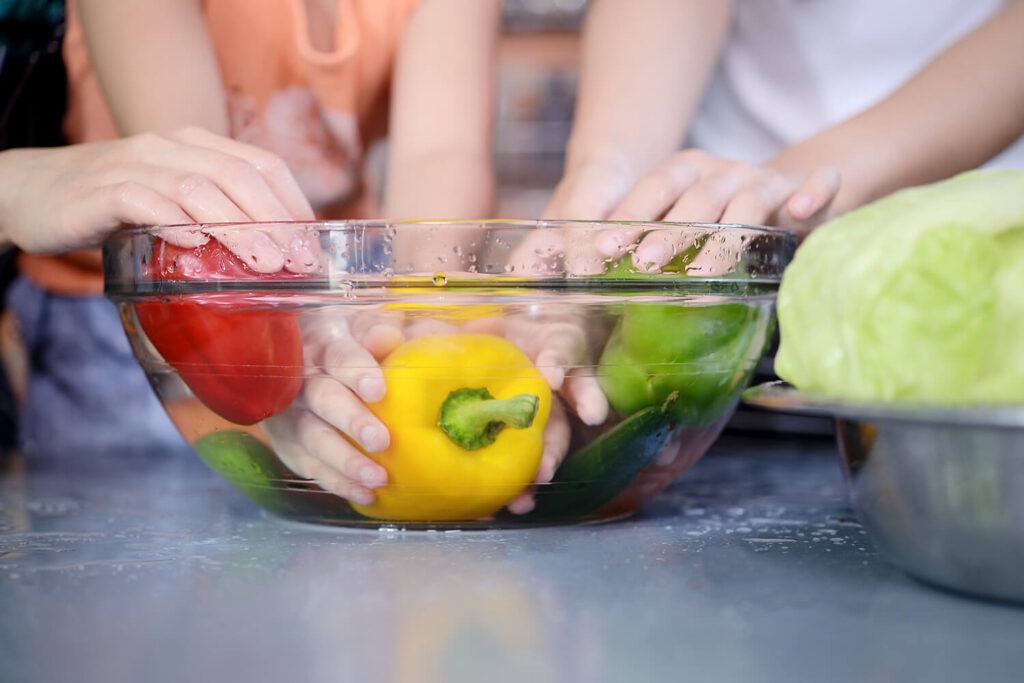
<point>86,392</point>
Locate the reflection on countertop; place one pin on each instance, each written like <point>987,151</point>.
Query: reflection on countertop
<point>751,567</point>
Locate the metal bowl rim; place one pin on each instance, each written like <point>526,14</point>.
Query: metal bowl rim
<point>780,396</point>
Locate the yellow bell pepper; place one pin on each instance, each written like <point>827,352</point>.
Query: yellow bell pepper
<point>466,413</point>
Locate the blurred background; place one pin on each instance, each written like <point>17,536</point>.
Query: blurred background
<point>537,78</point>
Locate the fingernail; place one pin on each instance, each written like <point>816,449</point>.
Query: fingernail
<point>303,258</point>
<point>194,238</point>
<point>550,367</point>
<point>800,206</point>
<point>373,439</point>
<point>266,256</point>
<point>371,389</point>
<point>588,264</point>
<point>381,340</point>
<point>522,505</point>
<point>372,476</point>
<point>649,257</point>
<point>361,496</point>
<point>610,243</point>
<point>546,470</point>
<point>592,411</point>
<point>554,375</point>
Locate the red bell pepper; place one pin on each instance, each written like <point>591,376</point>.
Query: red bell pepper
<point>243,363</point>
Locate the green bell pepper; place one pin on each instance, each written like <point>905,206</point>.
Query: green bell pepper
<point>704,353</point>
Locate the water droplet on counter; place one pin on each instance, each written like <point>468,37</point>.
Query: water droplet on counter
<point>51,507</point>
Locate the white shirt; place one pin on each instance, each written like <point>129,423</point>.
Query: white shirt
<point>792,68</point>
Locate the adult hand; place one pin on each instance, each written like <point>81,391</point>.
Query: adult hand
<point>61,199</point>
<point>691,186</point>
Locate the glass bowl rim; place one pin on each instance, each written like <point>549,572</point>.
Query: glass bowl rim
<point>521,223</point>
<point>126,248</point>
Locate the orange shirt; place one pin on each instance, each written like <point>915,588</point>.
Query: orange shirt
<point>317,110</point>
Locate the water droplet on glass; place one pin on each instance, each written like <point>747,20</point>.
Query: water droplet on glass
<point>439,279</point>
<point>347,289</point>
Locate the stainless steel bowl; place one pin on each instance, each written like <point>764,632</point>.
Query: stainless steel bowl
<point>941,490</point>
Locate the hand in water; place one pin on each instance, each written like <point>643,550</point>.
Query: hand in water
<point>315,437</point>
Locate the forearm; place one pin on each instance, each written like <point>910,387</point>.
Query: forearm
<point>958,112</point>
<point>441,132</point>
<point>452,185</point>
<point>645,65</point>
<point>155,64</point>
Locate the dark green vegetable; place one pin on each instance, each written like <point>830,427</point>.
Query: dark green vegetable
<point>705,354</point>
<point>255,470</point>
<point>247,463</point>
<point>592,476</point>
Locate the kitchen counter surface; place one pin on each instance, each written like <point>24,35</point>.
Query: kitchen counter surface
<point>750,568</point>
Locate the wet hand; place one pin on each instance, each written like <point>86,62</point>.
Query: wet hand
<point>315,438</point>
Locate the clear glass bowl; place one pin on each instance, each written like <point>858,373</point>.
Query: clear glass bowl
<point>468,326</point>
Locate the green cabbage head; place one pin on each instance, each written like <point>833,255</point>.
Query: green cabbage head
<point>917,297</point>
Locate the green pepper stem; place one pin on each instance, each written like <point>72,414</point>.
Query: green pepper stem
<point>517,412</point>
<point>472,418</point>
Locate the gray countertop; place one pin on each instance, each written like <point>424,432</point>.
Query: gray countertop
<point>750,568</point>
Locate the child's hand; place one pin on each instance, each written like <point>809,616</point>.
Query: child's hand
<point>558,344</point>
<point>66,198</point>
<point>556,446</point>
<point>690,186</point>
<point>344,354</point>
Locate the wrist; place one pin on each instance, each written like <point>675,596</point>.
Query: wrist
<point>581,155</point>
